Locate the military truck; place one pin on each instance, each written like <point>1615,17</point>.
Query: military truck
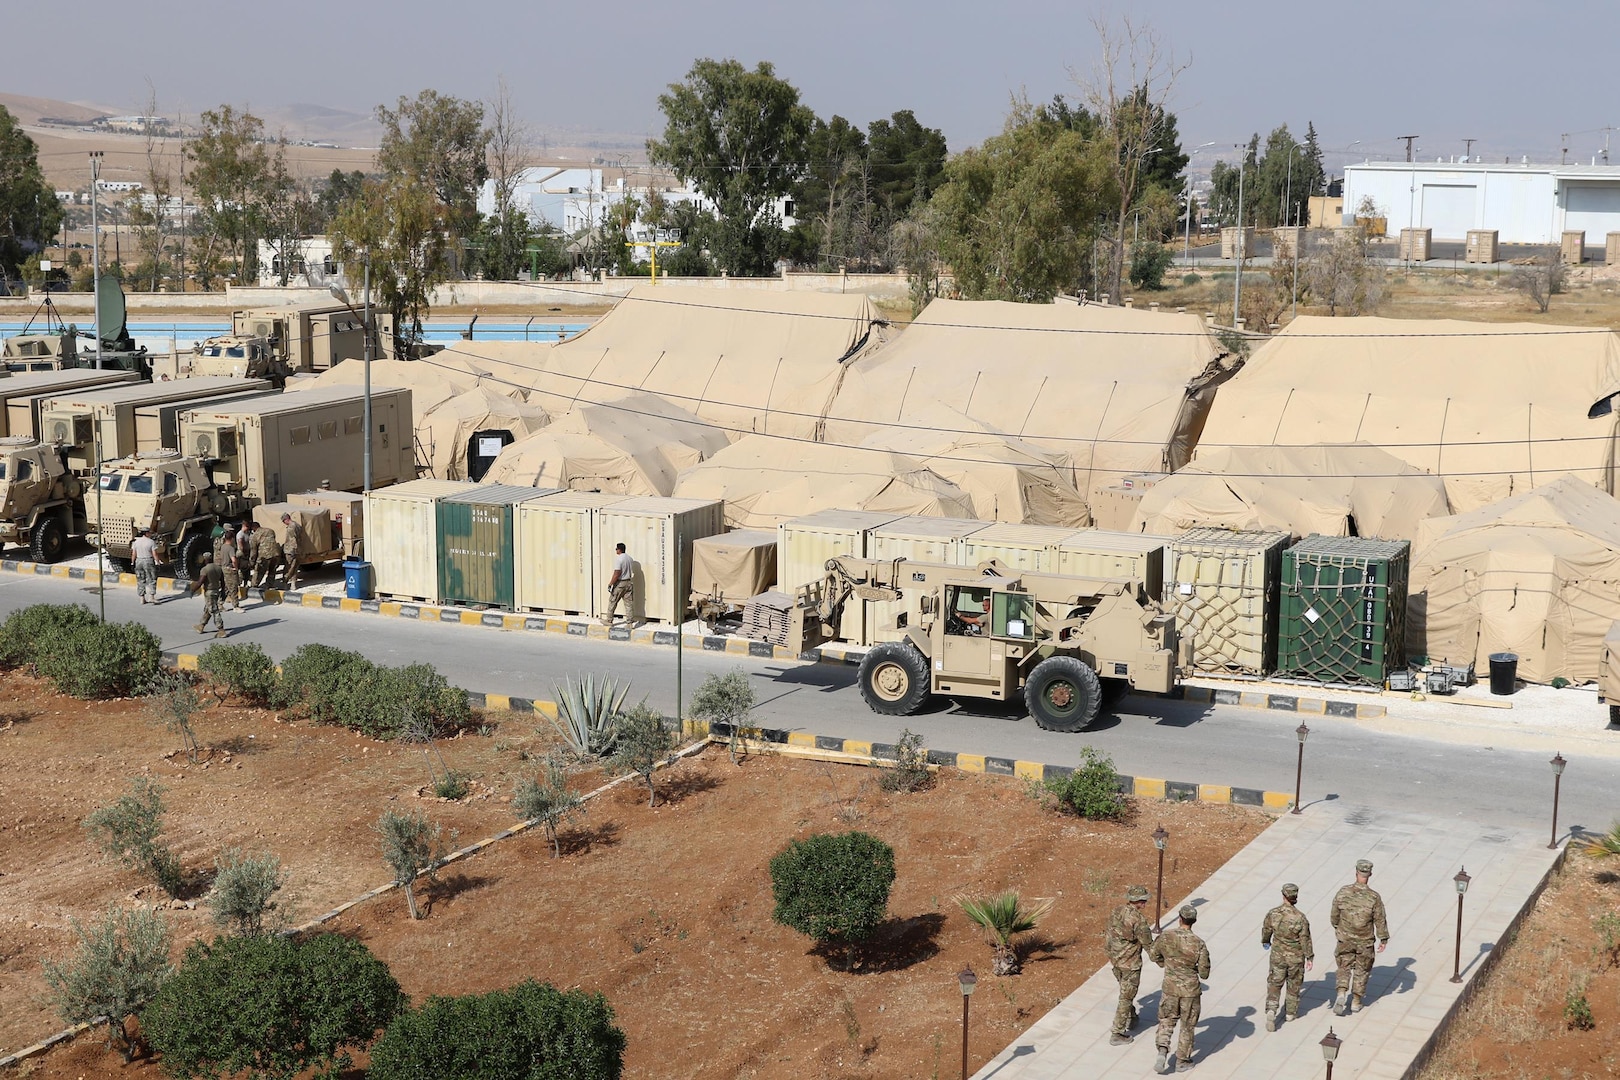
<point>55,347</point>
<point>40,498</point>
<point>171,495</point>
<point>1067,645</point>
<point>276,343</point>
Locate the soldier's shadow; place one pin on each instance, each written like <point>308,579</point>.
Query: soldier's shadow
<point>1147,1011</point>
<point>1400,979</point>
<point>1226,1029</point>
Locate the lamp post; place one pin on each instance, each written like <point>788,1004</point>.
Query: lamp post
<point>95,242</point>
<point>1242,246</point>
<point>1186,243</point>
<point>367,332</point>
<point>1288,196</point>
<point>1299,770</point>
<point>1557,764</point>
<point>966,980</point>
<point>1330,1050</point>
<point>1461,880</point>
<point>1159,838</point>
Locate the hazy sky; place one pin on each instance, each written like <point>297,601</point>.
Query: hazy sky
<point>1513,75</point>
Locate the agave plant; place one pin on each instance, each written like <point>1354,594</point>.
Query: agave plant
<point>586,712</point>
<point>1603,845</point>
<point>1004,917</point>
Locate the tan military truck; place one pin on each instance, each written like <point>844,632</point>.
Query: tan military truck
<point>171,495</point>
<point>276,343</point>
<point>40,503</point>
<point>1067,645</point>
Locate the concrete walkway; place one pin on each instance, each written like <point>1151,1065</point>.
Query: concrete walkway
<point>1408,996</point>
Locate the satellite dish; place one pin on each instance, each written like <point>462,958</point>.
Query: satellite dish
<point>110,297</point>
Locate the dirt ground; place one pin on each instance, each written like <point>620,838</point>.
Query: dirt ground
<point>666,910</point>
<point>1514,1028</point>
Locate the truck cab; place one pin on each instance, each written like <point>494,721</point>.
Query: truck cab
<point>171,495</point>
<point>240,357</point>
<point>37,498</point>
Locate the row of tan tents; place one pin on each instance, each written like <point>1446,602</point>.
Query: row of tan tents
<point>1439,432</point>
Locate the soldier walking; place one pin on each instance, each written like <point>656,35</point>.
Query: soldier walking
<point>225,559</point>
<point>294,549</point>
<point>1358,917</point>
<point>267,557</point>
<point>211,583</point>
<point>1287,933</point>
<point>1128,934</point>
<point>1185,959</point>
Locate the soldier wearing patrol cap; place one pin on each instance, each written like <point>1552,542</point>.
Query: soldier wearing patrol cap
<point>1358,918</point>
<point>1185,959</point>
<point>1287,933</point>
<point>1128,934</point>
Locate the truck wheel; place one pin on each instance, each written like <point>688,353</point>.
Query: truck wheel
<point>188,560</point>
<point>894,679</point>
<point>1063,694</point>
<point>119,565</point>
<point>48,540</point>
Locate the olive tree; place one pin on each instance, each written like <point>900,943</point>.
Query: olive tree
<point>119,963</point>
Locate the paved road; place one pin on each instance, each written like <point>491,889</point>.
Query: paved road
<point>1150,737</point>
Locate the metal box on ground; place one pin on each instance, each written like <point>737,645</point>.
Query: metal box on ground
<point>476,553</point>
<point>1019,547</point>
<point>803,546</point>
<point>556,545</point>
<point>1572,247</point>
<point>1415,244</point>
<point>1611,249</point>
<point>1237,243</point>
<point>22,394</point>
<point>1343,609</point>
<point>1222,587</point>
<point>919,538</point>
<point>347,511</point>
<point>1481,246</point>
<point>729,569</point>
<point>105,418</point>
<point>1113,505</point>
<point>402,522</point>
<point>657,533</point>
<point>1099,553</point>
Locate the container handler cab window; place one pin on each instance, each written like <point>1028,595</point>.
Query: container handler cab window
<point>967,610</point>
<point>1012,615</point>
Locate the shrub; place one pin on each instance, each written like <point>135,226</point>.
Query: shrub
<point>118,965</point>
<point>244,670</point>
<point>1091,791</point>
<point>1607,926</point>
<point>532,1030</point>
<point>1603,845</point>
<point>910,770</point>
<point>384,702</point>
<point>1149,261</point>
<point>1577,1010</point>
<point>640,743</point>
<point>127,832</point>
<point>411,844</point>
<point>833,888</point>
<point>102,660</point>
<point>1191,279</point>
<point>1004,917</point>
<point>726,700</point>
<point>545,798</point>
<point>174,703</point>
<point>585,713</point>
<point>243,887</point>
<point>32,632</point>
<point>312,676</point>
<point>270,1005</point>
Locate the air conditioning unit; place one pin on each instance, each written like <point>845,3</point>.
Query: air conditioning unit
<point>68,429</point>
<point>261,329</point>
<point>218,442</point>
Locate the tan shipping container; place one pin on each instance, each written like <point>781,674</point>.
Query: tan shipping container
<point>1481,246</point>
<point>557,545</point>
<point>1415,244</point>
<point>1572,247</point>
<point>1018,547</point>
<point>1611,249</point>
<point>1222,586</point>
<point>403,524</point>
<point>105,417</point>
<point>293,442</point>
<point>1098,553</point>
<point>1237,243</point>
<point>922,539</point>
<point>1290,238</point>
<point>1113,505</point>
<point>804,544</point>
<point>22,394</point>
<point>348,515</point>
<point>657,533</point>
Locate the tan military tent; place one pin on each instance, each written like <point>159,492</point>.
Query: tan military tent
<point>636,446</point>
<point>1494,409</point>
<point>1537,574</point>
<point>765,481</point>
<point>443,433</point>
<point>1116,390</point>
<point>430,386</point>
<point>750,361</point>
<point>1331,490</point>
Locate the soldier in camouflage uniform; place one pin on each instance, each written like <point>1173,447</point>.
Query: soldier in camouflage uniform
<point>1287,933</point>
<point>1185,959</point>
<point>1128,934</point>
<point>1358,916</point>
<point>225,559</point>
<point>211,583</point>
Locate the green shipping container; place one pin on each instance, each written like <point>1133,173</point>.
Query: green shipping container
<point>1343,615</point>
<point>476,564</point>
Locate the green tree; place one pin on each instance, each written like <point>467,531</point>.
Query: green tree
<point>401,225</point>
<point>438,143</point>
<point>641,743</point>
<point>243,889</point>
<point>532,1030</point>
<point>229,176</point>
<point>335,192</point>
<point>1315,174</point>
<point>546,798</point>
<point>270,1005</point>
<point>907,162</point>
<point>506,234</point>
<point>117,966</point>
<point>128,830</point>
<point>832,202</point>
<point>29,213</point>
<point>725,701</point>
<point>1225,189</point>
<point>411,844</point>
<point>738,137</point>
<point>833,888</point>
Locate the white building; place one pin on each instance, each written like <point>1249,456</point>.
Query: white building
<point>1525,203</point>
<point>312,264</point>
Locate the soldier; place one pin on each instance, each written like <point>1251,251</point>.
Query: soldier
<point>211,582</point>
<point>267,557</point>
<point>1287,933</point>
<point>225,559</point>
<point>144,550</point>
<point>1128,934</point>
<point>621,586</point>
<point>294,548</point>
<point>1185,959</point>
<point>1357,917</point>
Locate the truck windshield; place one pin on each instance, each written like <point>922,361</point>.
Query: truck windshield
<point>2,470</point>
<point>139,484</point>
<point>112,481</point>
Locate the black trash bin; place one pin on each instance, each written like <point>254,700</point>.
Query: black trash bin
<point>1504,673</point>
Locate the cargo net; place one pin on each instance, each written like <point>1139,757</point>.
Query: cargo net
<point>1227,626</point>
<point>1341,623</point>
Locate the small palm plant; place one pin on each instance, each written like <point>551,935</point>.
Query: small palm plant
<point>1603,845</point>
<point>585,713</point>
<point>1003,918</point>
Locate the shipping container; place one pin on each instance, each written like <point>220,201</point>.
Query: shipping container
<point>403,525</point>
<point>1222,586</point>
<point>22,394</point>
<point>293,442</point>
<point>1343,612</point>
<point>1113,505</point>
<point>657,533</point>
<point>1237,243</point>
<point>556,547</point>
<point>315,337</point>
<point>804,544</point>
<point>1611,249</point>
<point>477,557</point>
<point>1572,247</point>
<point>920,538</point>
<point>104,418</point>
<point>347,511</point>
<point>1415,245</point>
<point>1481,247</point>
<point>1098,553</point>
<point>1018,547</point>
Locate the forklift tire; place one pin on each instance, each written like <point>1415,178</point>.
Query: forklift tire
<point>1063,694</point>
<point>188,563</point>
<point>48,540</point>
<point>894,679</point>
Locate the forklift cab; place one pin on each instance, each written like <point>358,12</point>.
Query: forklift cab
<point>986,625</point>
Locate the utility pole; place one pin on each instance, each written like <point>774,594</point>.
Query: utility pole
<point>1242,245</point>
<point>95,251</point>
<point>1468,149</point>
<point>1410,139</point>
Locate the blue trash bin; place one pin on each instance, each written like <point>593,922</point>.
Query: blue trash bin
<point>356,579</point>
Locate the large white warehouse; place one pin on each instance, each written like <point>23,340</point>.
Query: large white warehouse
<point>1524,203</point>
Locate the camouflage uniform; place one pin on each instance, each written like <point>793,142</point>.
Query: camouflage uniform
<point>267,560</point>
<point>1287,932</point>
<point>211,581</point>
<point>225,559</point>
<point>1128,934</point>
<point>294,548</point>
<point>1357,917</point>
<point>1185,959</point>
